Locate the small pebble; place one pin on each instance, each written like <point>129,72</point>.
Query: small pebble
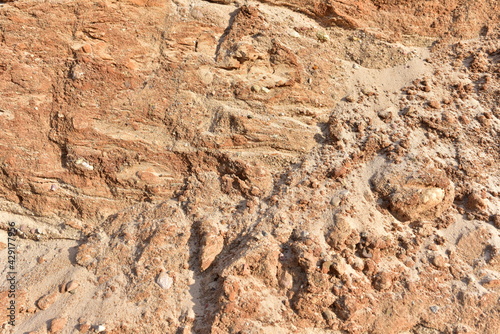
<point>325,267</point>
<point>57,325</point>
<point>87,48</point>
<point>164,280</point>
<point>255,88</point>
<point>439,261</point>
<point>434,104</point>
<point>358,264</point>
<point>384,114</point>
<point>434,309</point>
<point>496,221</point>
<point>71,286</point>
<point>84,164</point>
<point>366,253</point>
<point>329,315</point>
<point>196,14</point>
<point>47,300</point>
<point>322,36</point>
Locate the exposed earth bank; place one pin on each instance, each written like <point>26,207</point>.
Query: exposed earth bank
<point>267,166</point>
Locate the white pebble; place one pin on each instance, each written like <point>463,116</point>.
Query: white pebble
<point>164,280</point>
<point>84,164</point>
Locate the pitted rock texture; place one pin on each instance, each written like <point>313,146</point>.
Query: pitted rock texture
<point>261,167</point>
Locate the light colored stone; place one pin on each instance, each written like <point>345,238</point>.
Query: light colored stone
<point>164,280</point>
<point>71,286</point>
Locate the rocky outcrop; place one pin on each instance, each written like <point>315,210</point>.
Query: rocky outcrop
<point>267,167</point>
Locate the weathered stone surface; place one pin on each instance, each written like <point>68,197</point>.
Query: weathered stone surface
<point>270,167</point>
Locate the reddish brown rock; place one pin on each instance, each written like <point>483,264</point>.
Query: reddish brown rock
<point>46,301</point>
<point>496,221</point>
<point>439,261</point>
<point>383,280</point>
<point>57,325</point>
<point>86,255</point>
<point>211,243</point>
<point>415,192</point>
<point>475,201</point>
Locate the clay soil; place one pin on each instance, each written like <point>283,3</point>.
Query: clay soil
<point>253,167</point>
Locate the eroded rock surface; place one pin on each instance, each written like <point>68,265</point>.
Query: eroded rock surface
<point>268,167</point>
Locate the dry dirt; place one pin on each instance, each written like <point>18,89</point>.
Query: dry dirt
<point>190,166</point>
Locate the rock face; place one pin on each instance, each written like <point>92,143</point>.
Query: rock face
<point>313,166</point>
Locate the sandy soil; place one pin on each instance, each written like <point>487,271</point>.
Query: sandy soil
<point>271,166</point>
